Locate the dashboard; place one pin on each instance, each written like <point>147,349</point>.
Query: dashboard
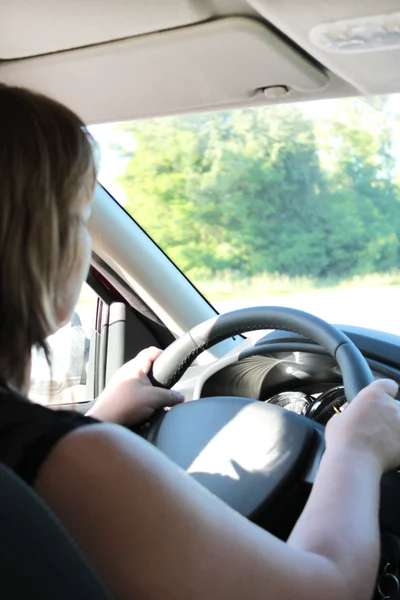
<point>290,371</point>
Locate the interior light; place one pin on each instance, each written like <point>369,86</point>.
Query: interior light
<point>366,34</point>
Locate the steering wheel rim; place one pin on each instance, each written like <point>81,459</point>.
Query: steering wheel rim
<point>169,367</point>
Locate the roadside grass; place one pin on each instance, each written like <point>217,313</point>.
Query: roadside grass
<point>230,286</point>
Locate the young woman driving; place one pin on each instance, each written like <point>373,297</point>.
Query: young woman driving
<point>149,530</point>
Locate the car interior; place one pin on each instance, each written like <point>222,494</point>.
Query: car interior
<point>128,60</point>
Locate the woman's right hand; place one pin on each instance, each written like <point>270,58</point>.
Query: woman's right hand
<point>370,425</point>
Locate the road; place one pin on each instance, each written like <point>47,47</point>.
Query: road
<point>376,308</point>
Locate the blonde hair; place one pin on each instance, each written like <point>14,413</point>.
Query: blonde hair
<point>47,169</point>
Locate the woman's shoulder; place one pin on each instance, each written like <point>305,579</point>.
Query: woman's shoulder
<point>28,432</point>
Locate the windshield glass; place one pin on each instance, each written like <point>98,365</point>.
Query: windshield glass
<point>295,205</point>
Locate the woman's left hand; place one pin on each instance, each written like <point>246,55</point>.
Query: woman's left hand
<point>129,398</point>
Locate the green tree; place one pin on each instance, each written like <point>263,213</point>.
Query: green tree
<point>364,207</point>
<point>234,190</point>
<point>277,190</point>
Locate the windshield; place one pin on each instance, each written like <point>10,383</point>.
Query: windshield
<point>295,205</point>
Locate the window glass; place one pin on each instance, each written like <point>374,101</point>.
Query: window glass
<point>294,205</point>
<point>70,347</point>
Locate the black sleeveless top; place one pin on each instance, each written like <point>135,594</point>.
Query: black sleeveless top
<point>28,432</point>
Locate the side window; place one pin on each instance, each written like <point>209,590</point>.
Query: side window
<point>70,349</point>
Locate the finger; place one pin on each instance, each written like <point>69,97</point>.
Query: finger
<point>161,398</point>
<point>384,386</point>
<point>146,357</point>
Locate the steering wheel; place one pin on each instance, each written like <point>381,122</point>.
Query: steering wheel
<point>245,451</point>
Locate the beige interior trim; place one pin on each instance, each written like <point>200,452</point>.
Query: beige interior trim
<point>34,27</point>
<point>370,73</point>
<point>180,56</point>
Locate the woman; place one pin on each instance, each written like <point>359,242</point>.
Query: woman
<point>149,530</point>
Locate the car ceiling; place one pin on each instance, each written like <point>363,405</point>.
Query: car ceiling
<point>124,59</point>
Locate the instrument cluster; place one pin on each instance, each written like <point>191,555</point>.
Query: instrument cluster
<point>318,408</point>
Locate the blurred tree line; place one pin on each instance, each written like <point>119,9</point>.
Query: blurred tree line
<point>270,189</point>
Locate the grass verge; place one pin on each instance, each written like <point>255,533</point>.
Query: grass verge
<point>229,286</point>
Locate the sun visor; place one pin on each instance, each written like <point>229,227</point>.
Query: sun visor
<point>215,64</point>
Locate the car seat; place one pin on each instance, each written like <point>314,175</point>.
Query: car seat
<point>38,559</point>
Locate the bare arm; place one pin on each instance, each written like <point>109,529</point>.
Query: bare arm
<point>340,520</point>
<point>153,533</point>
